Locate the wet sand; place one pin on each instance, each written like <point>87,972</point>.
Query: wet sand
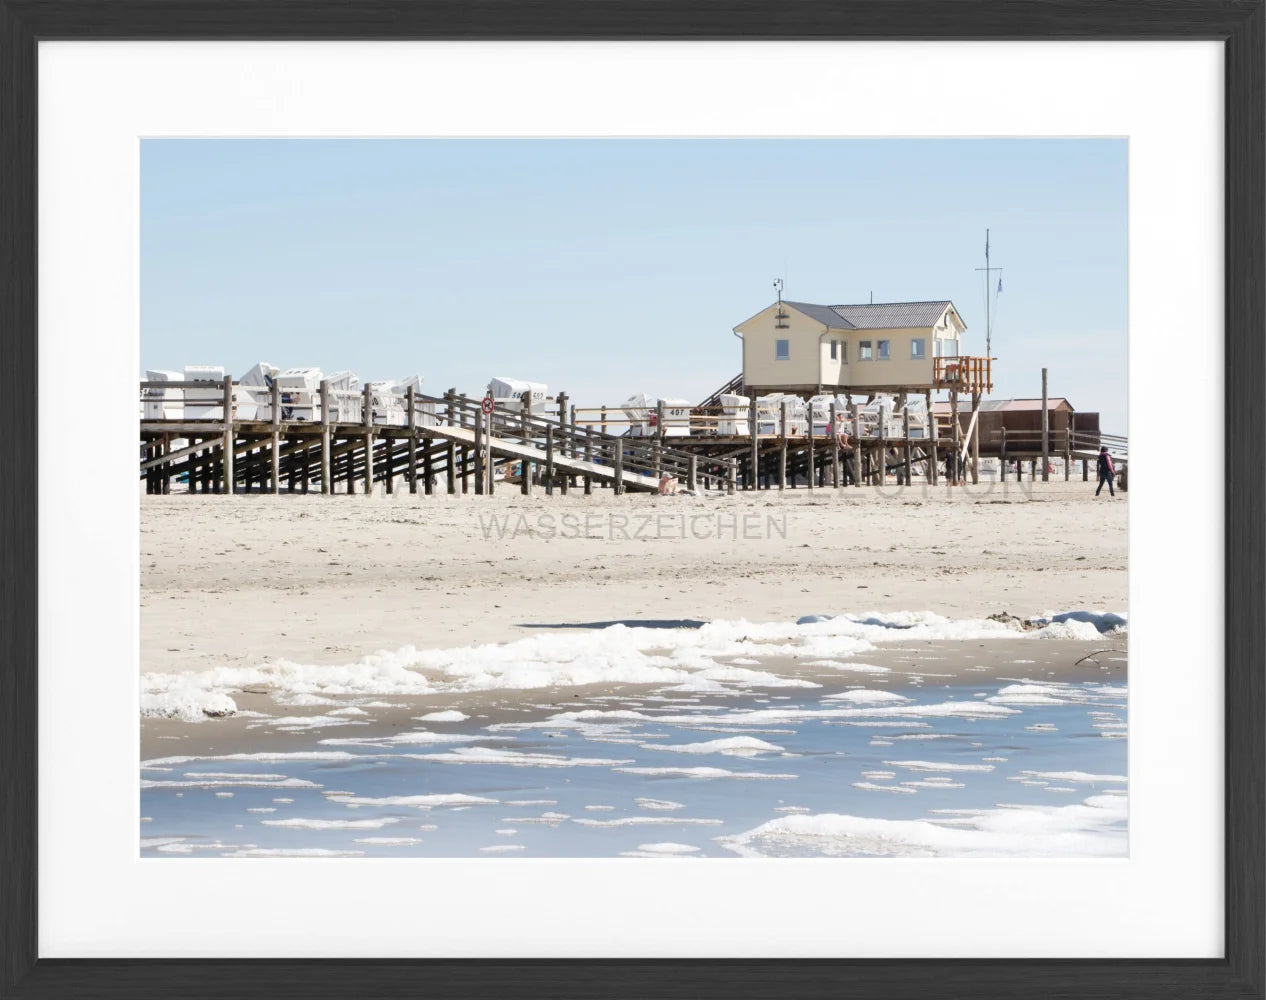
<point>260,726</point>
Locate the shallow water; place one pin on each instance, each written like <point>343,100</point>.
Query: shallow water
<point>864,767</point>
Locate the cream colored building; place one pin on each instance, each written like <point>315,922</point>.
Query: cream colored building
<point>799,347</point>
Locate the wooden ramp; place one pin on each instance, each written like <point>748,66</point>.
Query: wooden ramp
<point>518,451</point>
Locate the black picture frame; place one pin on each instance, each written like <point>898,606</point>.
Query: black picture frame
<point>1239,24</point>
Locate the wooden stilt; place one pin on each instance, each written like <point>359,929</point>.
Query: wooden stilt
<point>934,437</point>
<point>755,458</point>
<point>857,445</point>
<point>589,458</point>
<point>810,458</point>
<point>975,438</point>
<point>549,461</point>
<point>907,457</point>
<point>567,427</point>
<point>411,409</point>
<point>327,485</point>
<point>782,445</point>
<point>881,451</point>
<point>450,459</point>
<point>481,475</point>
<point>835,448</point>
<point>229,439</point>
<point>657,449</point>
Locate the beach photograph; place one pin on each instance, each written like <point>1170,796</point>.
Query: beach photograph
<point>654,499</point>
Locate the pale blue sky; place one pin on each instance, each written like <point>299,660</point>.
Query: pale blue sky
<point>609,267</point>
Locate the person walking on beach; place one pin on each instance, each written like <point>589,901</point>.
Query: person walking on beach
<point>1106,471</point>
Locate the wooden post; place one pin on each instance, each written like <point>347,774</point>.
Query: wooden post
<point>752,484</point>
<point>274,394</point>
<point>619,467</point>
<point>588,458</point>
<point>229,437</point>
<point>835,449</point>
<point>1046,433</point>
<point>450,458</point>
<point>881,434</point>
<point>1068,451</point>
<point>782,445</point>
<point>957,431</point>
<point>326,486</point>
<point>731,482</point>
<point>811,459</point>
<point>909,459</point>
<point>410,402</point>
<point>568,443</point>
<point>857,445</point>
<point>975,438</point>
<point>481,474</point>
<point>525,467</point>
<point>658,447</point>
<point>1004,453</point>
<point>367,418</point>
<point>934,437</point>
<point>692,473</point>
<point>604,420</point>
<point>1085,471</point>
<point>549,460</point>
<point>492,459</point>
<point>564,439</point>
<point>428,470</point>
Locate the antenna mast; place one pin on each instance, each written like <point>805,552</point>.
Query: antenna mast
<point>989,271</point>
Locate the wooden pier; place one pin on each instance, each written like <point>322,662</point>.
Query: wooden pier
<point>466,445</point>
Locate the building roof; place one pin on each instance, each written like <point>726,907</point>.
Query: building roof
<point>1052,403</point>
<point>1010,405</point>
<point>875,315</point>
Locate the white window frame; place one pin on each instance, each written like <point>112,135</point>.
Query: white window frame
<point>865,350</point>
<point>883,350</point>
<point>782,349</point>
<point>922,344</point>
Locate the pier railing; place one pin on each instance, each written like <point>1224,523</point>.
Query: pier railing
<point>963,374</point>
<point>198,428</point>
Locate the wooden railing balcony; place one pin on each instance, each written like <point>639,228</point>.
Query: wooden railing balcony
<point>963,374</point>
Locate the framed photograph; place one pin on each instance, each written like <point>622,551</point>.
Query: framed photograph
<point>633,502</point>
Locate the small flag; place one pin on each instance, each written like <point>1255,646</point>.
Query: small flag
<point>999,284</point>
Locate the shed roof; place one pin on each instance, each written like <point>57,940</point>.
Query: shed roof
<point>875,315</point>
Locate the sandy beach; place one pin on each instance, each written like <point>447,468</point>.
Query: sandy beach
<point>235,582</point>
